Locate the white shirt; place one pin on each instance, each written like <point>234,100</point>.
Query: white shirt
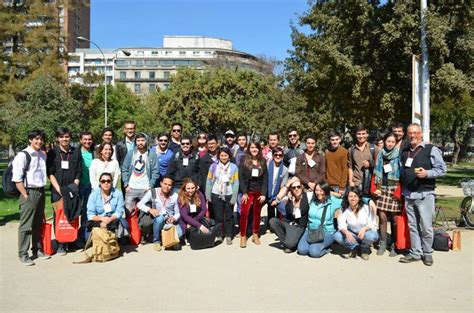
<point>36,175</point>
<point>98,167</point>
<point>365,217</point>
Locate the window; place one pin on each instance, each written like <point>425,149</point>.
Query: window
<point>137,88</point>
<point>196,53</point>
<point>122,62</point>
<point>168,52</point>
<point>182,53</point>
<point>123,75</point>
<point>151,75</point>
<point>138,75</point>
<point>207,52</point>
<point>166,86</point>
<point>167,62</point>
<point>152,62</point>
<point>151,87</point>
<point>166,75</point>
<point>154,52</point>
<point>181,63</point>
<point>140,53</point>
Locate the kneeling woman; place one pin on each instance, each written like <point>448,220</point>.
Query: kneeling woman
<point>105,206</point>
<point>193,208</point>
<point>322,211</point>
<point>290,230</point>
<point>357,226</point>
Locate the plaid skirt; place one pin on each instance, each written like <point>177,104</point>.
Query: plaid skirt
<point>386,202</point>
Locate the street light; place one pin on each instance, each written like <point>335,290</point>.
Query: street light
<point>105,73</point>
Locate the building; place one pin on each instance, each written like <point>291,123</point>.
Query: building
<point>144,70</point>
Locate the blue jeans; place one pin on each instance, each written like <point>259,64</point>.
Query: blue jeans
<point>315,250</point>
<point>420,221</point>
<point>370,237</point>
<point>158,224</point>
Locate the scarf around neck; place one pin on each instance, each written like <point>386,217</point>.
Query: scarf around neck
<point>393,156</point>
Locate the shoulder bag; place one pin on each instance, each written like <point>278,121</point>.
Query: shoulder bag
<point>317,235</point>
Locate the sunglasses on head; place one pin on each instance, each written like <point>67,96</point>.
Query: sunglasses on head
<point>296,187</point>
<point>105,181</point>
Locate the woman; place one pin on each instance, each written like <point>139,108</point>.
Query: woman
<point>253,186</point>
<point>105,206</point>
<point>322,200</point>
<point>357,226</point>
<point>222,187</point>
<point>310,166</point>
<point>290,230</point>
<point>200,144</point>
<point>104,164</point>
<point>192,207</point>
<point>387,190</point>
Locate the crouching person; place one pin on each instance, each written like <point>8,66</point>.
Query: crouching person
<point>200,231</point>
<point>163,209</point>
<point>357,226</point>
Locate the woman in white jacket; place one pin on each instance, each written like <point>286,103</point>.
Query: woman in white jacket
<point>104,164</point>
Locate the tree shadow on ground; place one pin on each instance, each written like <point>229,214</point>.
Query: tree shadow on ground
<point>8,218</point>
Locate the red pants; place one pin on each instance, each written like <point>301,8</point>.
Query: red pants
<point>244,213</point>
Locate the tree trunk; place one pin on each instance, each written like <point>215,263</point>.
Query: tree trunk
<point>454,138</point>
<point>465,144</point>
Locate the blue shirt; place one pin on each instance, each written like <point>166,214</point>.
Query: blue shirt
<point>164,159</point>
<point>95,204</point>
<point>316,211</point>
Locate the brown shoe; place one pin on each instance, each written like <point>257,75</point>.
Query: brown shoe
<point>243,242</point>
<point>255,239</point>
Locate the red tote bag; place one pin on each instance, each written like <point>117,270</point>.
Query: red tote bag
<point>403,231</point>
<point>45,237</point>
<point>134,228</point>
<point>65,230</point>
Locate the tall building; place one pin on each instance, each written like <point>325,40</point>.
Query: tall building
<point>75,21</point>
<point>143,70</point>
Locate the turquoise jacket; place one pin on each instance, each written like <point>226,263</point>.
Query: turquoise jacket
<point>316,211</point>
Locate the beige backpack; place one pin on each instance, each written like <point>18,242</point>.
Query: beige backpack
<point>105,246</point>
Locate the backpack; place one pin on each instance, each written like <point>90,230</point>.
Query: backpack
<point>105,246</point>
<point>9,187</point>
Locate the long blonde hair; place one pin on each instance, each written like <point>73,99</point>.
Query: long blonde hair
<point>183,198</point>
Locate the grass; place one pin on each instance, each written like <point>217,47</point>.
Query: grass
<point>456,173</point>
<point>450,206</point>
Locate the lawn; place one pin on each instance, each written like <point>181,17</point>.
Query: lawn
<point>456,173</point>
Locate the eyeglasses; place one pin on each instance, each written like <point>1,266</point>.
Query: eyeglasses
<point>176,130</point>
<point>295,187</point>
<point>292,135</point>
<point>185,143</point>
<point>163,140</point>
<point>105,181</point>
<point>278,155</point>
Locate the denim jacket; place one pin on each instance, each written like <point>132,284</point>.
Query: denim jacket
<point>95,204</point>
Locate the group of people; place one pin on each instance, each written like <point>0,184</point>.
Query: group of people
<point>313,199</point>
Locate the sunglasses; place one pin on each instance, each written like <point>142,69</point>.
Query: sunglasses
<point>105,181</point>
<point>176,130</point>
<point>279,155</point>
<point>292,135</point>
<point>185,143</point>
<point>163,140</point>
<point>296,187</point>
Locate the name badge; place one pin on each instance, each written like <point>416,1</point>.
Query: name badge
<point>297,212</point>
<point>185,161</point>
<point>409,162</point>
<point>311,163</point>
<point>192,208</point>
<point>65,165</point>
<point>255,172</point>
<point>107,208</point>
<point>225,178</point>
<point>292,167</point>
<point>387,168</point>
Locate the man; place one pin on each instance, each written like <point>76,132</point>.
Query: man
<point>336,163</point>
<point>421,165</point>
<point>176,131</point>
<point>310,166</point>
<point>126,144</point>
<point>163,154</point>
<point>292,151</point>
<point>397,129</point>
<point>361,158</point>
<point>230,141</point>
<point>277,178</point>
<point>273,142</point>
<point>163,210</point>
<point>107,135</point>
<point>87,154</point>
<point>64,164</point>
<point>185,163</point>
<point>139,172</point>
<point>206,161</point>
<point>240,152</point>
<point>30,181</point>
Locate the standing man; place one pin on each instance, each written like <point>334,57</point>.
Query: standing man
<point>397,129</point>
<point>361,161</point>
<point>139,172</point>
<point>240,152</point>
<point>128,143</point>
<point>163,154</point>
<point>293,150</point>
<point>421,165</point>
<point>336,163</point>
<point>206,161</point>
<point>64,164</point>
<point>185,163</point>
<point>87,155</point>
<point>176,131</point>
<point>273,142</point>
<point>107,136</point>
<point>30,181</point>
<point>230,142</point>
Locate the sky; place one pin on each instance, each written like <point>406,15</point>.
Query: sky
<point>258,27</point>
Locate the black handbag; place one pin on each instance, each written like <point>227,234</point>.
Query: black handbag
<point>317,235</point>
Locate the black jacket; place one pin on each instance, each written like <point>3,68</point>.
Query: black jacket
<point>121,151</point>
<point>72,207</point>
<point>304,208</point>
<point>245,179</point>
<point>204,164</point>
<point>179,172</point>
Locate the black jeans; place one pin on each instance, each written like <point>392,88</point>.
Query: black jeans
<point>222,210</point>
<point>288,234</point>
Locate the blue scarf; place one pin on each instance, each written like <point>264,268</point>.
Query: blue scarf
<point>389,155</point>
<point>271,167</point>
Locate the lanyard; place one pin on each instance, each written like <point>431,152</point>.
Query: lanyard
<point>417,150</point>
